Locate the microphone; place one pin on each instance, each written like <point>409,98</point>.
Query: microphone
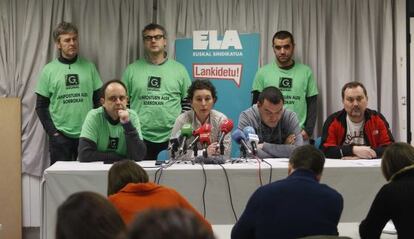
<point>252,138</point>
<point>186,131</point>
<point>205,139</point>
<point>196,133</point>
<point>174,142</point>
<point>225,127</point>
<point>240,138</point>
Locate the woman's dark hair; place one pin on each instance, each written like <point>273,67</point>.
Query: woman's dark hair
<point>171,223</point>
<point>396,157</point>
<point>201,84</point>
<point>124,172</point>
<point>86,215</point>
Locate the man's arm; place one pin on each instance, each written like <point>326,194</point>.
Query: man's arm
<point>42,110</point>
<point>310,114</point>
<point>385,136</point>
<point>136,149</point>
<point>291,123</point>
<point>88,152</point>
<point>331,139</point>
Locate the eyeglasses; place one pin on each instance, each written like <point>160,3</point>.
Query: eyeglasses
<point>156,37</point>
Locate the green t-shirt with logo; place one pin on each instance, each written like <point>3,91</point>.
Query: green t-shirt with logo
<point>108,137</point>
<point>155,93</point>
<point>70,90</point>
<point>295,83</point>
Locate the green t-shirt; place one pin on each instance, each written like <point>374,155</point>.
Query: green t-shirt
<point>296,84</point>
<point>108,137</point>
<point>70,90</point>
<point>155,93</point>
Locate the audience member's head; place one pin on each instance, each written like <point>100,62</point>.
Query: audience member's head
<point>396,157</point>
<point>270,105</point>
<point>309,158</point>
<point>86,215</point>
<point>124,172</point>
<point>171,223</point>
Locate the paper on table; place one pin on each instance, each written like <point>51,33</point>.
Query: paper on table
<point>389,228</point>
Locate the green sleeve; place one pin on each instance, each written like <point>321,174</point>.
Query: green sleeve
<point>312,86</point>
<point>136,123</point>
<point>97,82</point>
<point>186,82</point>
<point>126,79</point>
<point>42,87</point>
<point>89,127</point>
<point>258,82</point>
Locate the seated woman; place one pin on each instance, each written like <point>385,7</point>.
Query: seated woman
<point>85,215</point>
<point>395,199</point>
<point>130,192</point>
<point>202,95</point>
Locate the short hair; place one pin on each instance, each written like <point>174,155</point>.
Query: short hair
<point>123,172</point>
<point>154,26</point>
<point>85,215</point>
<point>283,35</point>
<point>272,94</point>
<point>307,157</point>
<point>106,84</point>
<point>351,85</point>
<point>396,157</point>
<point>64,28</point>
<point>201,84</point>
<point>172,223</point>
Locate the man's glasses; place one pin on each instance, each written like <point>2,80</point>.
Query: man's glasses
<point>156,37</point>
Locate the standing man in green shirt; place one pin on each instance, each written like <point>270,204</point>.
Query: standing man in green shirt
<point>157,88</point>
<point>67,89</point>
<point>111,132</point>
<point>295,80</point>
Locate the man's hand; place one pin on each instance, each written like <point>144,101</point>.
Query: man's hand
<point>290,139</point>
<point>123,116</point>
<point>305,135</point>
<point>364,152</point>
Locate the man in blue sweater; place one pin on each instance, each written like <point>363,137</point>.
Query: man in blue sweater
<point>293,207</point>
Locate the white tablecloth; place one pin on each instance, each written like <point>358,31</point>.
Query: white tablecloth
<point>357,181</point>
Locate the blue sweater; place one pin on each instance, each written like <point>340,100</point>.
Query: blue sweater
<point>294,207</point>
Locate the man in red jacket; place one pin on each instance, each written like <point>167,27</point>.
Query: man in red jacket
<point>356,132</point>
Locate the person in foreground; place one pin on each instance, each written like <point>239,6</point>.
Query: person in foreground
<point>293,207</point>
<point>394,200</point>
<point>111,132</point>
<point>130,192</point>
<point>171,223</point>
<point>277,128</point>
<point>356,132</point>
<point>202,95</point>
<point>86,215</point>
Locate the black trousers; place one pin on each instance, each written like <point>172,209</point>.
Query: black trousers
<point>62,148</point>
<point>153,149</point>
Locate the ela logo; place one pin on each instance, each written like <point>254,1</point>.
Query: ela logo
<point>208,40</point>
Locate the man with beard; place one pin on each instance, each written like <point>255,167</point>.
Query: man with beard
<point>356,132</point>
<point>295,81</point>
<point>111,132</point>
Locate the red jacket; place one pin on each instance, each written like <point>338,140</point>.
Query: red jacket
<point>376,134</point>
<point>136,197</point>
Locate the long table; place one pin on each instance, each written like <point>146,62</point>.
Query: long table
<point>357,180</point>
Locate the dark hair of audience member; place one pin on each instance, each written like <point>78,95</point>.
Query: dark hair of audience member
<point>86,215</point>
<point>271,94</point>
<point>396,157</point>
<point>123,172</point>
<point>307,157</point>
<point>202,84</point>
<point>171,223</point>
